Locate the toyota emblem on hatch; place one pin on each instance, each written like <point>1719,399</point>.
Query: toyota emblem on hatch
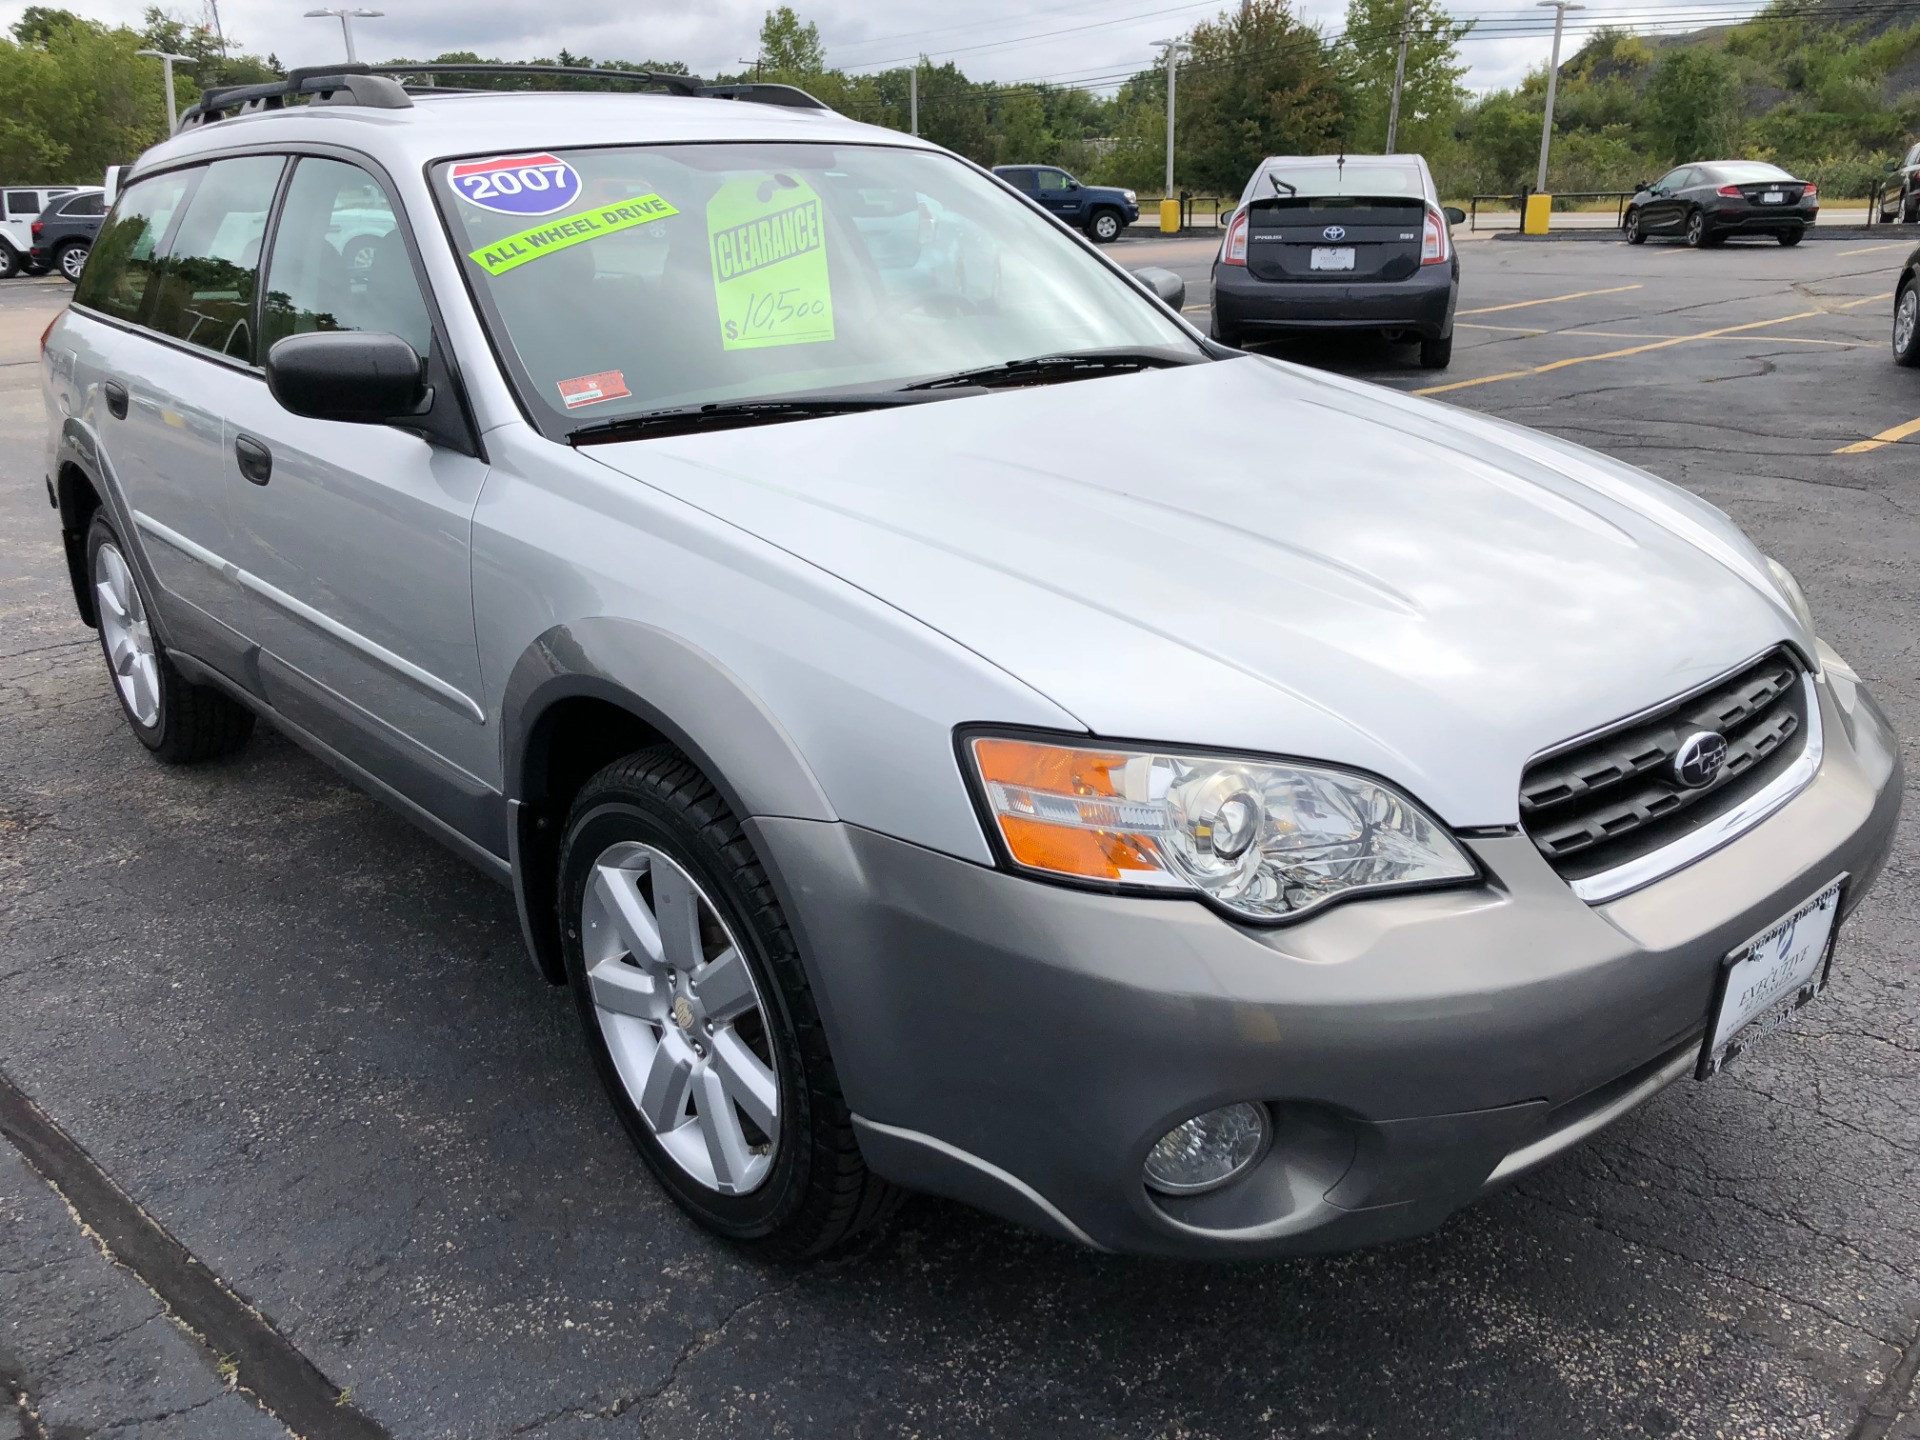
<point>1334,232</point>
<point>1699,759</point>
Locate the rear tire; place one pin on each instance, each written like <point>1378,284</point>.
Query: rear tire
<point>1791,238</point>
<point>1226,336</point>
<point>1436,354</point>
<point>1105,226</point>
<point>180,722</point>
<point>72,260</point>
<point>782,1173</point>
<point>1909,209</point>
<point>1696,235</point>
<point>1635,234</point>
<point>1906,325</point>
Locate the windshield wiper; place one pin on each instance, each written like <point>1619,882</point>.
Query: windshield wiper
<point>735,414</point>
<point>1047,369</point>
<point>1279,185</point>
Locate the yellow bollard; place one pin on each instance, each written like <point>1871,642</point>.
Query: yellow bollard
<point>1169,217</point>
<point>1539,207</point>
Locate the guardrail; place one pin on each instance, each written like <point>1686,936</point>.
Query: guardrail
<point>1518,200</point>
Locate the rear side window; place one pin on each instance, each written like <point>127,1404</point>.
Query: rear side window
<point>84,205</point>
<point>340,261</point>
<point>23,204</point>
<point>127,254</point>
<point>205,293</point>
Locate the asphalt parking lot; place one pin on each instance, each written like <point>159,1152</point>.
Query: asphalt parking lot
<point>304,1040</point>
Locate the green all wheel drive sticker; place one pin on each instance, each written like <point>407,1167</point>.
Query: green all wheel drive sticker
<point>513,251</point>
<point>769,263</point>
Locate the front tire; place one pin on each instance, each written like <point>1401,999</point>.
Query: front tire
<point>1636,234</point>
<point>700,1017</point>
<point>1906,325</point>
<point>1696,230</point>
<point>72,260</point>
<point>11,263</point>
<point>1105,226</point>
<point>1436,354</point>
<point>180,722</point>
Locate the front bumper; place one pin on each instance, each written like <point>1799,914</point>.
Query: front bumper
<point>1423,303</point>
<point>1021,1045</point>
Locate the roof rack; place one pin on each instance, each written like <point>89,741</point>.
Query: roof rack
<point>679,84</point>
<point>324,84</point>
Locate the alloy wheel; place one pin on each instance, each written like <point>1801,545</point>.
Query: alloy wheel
<point>1107,227</point>
<point>1906,318</point>
<point>128,637</point>
<point>682,1017</point>
<point>1696,229</point>
<point>73,260</point>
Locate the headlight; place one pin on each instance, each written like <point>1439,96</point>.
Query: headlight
<point>1790,588</point>
<point>1132,199</point>
<point>1264,839</point>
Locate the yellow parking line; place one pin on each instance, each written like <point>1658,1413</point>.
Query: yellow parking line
<point>1616,354</point>
<point>1866,300</point>
<point>1885,437</point>
<point>1869,249</point>
<point>1503,329</point>
<point>1771,339</point>
<point>1550,300</point>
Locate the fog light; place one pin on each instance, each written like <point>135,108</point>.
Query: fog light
<point>1208,1150</point>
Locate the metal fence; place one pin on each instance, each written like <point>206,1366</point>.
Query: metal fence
<point>1518,201</point>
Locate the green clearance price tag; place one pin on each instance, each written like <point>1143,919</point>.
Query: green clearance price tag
<point>769,263</point>
<point>514,251</point>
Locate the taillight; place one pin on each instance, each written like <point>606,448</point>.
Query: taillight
<point>1433,240</point>
<point>49,330</point>
<point>1732,192</point>
<point>36,228</point>
<point>1810,191</point>
<point>1233,251</point>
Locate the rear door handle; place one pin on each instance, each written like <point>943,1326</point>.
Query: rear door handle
<point>116,399</point>
<point>255,460</point>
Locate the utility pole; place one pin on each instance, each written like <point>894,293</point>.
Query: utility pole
<point>1560,9</point>
<point>913,99</point>
<point>1399,78</point>
<point>1170,223</point>
<point>346,18</point>
<point>168,60</point>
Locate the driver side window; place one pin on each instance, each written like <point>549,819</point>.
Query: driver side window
<point>1054,180</point>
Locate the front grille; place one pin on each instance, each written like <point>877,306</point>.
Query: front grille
<point>1614,797</point>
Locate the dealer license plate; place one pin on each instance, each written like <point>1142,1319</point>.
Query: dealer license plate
<point>1773,197</point>
<point>1769,978</point>
<point>1324,258</point>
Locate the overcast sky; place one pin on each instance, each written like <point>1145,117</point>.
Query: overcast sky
<point>1088,41</point>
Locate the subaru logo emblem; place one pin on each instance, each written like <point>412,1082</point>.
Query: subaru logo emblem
<point>1699,759</point>
<point>1334,232</point>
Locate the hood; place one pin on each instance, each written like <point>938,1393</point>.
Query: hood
<point>1252,556</point>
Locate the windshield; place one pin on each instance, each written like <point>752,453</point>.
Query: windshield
<point>1324,176</point>
<point>631,279</point>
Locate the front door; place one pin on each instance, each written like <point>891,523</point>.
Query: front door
<point>1061,194</point>
<point>1667,210</point>
<point>357,536</point>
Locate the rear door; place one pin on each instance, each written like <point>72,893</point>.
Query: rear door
<point>1337,238</point>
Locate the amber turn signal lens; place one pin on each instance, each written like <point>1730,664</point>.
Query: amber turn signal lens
<point>1020,775</point>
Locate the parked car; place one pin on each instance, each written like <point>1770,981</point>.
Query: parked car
<point>20,206</point>
<point>1900,196</point>
<point>1906,312</point>
<point>64,233</point>
<point>1100,210</point>
<point>1349,242</point>
<point>1220,859</point>
<point>1710,201</point>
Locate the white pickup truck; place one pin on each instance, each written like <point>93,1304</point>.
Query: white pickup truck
<point>20,205</point>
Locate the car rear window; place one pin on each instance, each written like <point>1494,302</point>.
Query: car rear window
<point>1326,178</point>
<point>1747,171</point>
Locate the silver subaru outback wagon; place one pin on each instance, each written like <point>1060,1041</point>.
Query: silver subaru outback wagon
<point>679,506</point>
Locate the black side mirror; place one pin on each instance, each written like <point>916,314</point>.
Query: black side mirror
<point>1455,215</point>
<point>358,377</point>
<point>1643,185</point>
<point>1164,283</point>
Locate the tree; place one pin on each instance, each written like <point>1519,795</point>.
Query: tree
<point>77,99</point>
<point>790,50</point>
<point>1692,106</point>
<point>1258,82</point>
<point>213,63</point>
<point>1431,96</point>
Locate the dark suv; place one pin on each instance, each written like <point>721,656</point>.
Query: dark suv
<point>1103,212</point>
<point>63,235</point>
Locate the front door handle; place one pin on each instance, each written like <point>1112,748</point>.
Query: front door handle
<point>116,399</point>
<point>255,460</point>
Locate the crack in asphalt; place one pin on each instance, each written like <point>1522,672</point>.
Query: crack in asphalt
<point>1877,1420</point>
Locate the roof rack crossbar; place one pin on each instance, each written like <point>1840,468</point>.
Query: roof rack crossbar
<point>351,84</point>
<point>687,85</point>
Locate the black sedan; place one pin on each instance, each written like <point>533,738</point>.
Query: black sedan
<point>63,235</point>
<point>1706,202</point>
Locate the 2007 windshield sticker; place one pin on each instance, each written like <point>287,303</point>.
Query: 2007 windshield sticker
<point>513,251</point>
<point>769,263</point>
<point>516,184</point>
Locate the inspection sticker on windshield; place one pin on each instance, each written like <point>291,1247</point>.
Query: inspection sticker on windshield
<point>592,389</point>
<point>513,251</point>
<point>517,184</point>
<point>769,263</point>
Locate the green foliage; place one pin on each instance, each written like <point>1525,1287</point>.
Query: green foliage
<point>77,98</point>
<point>1692,106</point>
<point>1431,96</point>
<point>789,50</point>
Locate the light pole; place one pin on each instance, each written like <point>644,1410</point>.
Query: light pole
<point>168,59</point>
<point>1175,49</point>
<point>346,18</point>
<point>1560,9</point>
<point>1399,77</point>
